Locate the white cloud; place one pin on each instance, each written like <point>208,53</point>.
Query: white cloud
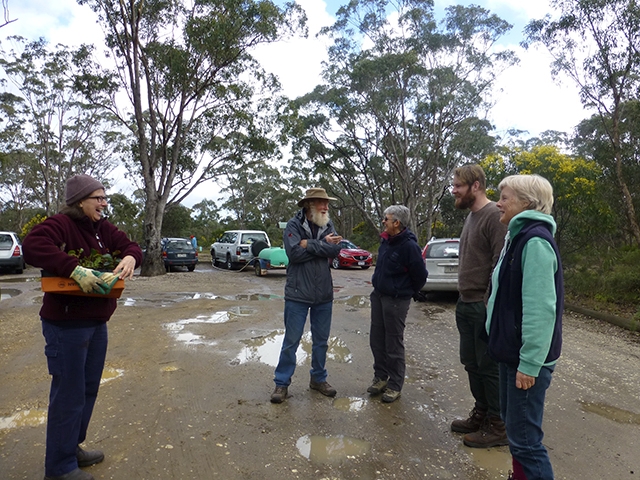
<point>531,100</point>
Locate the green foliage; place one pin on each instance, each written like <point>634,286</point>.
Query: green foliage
<point>605,275</point>
<point>96,260</point>
<point>580,208</point>
<point>32,223</point>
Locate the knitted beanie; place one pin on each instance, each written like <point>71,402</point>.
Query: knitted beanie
<point>80,187</point>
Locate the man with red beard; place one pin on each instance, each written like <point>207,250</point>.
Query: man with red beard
<point>481,241</point>
<point>310,241</point>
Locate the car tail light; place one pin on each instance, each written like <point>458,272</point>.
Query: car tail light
<point>164,254</point>
<point>196,254</point>
<point>16,252</point>
<point>238,251</point>
<point>424,251</point>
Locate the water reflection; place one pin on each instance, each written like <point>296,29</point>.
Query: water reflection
<point>110,373</point>
<point>496,461</point>
<point>331,449</point>
<point>7,293</point>
<point>266,349</point>
<point>349,404</point>
<point>24,418</point>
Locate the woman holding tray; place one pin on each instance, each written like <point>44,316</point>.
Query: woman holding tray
<point>75,326</point>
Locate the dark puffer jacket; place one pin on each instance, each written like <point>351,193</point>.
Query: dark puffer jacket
<point>400,269</point>
<point>308,273</point>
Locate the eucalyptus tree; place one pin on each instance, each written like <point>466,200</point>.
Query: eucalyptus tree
<point>402,102</point>
<point>196,98</point>
<point>597,44</point>
<point>259,197</point>
<point>48,132</point>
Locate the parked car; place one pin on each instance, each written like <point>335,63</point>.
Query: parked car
<point>352,256</point>
<point>441,260</point>
<point>237,247</point>
<point>11,252</point>
<point>178,252</point>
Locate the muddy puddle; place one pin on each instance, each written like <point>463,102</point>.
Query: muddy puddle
<point>332,449</point>
<point>24,418</point>
<point>7,293</point>
<point>169,298</point>
<point>496,461</point>
<point>612,413</point>
<point>266,349</point>
<point>349,404</point>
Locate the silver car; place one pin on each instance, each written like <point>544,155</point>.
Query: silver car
<point>11,252</point>
<point>236,247</point>
<point>441,260</point>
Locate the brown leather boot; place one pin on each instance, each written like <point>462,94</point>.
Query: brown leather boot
<point>471,424</point>
<point>492,434</point>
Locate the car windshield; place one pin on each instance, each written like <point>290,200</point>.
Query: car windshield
<point>6,242</point>
<point>182,245</point>
<point>347,244</point>
<point>253,238</point>
<point>443,250</point>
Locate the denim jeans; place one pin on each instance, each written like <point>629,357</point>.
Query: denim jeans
<point>75,357</point>
<point>522,412</point>
<point>386,338</point>
<point>295,317</point>
<point>481,369</point>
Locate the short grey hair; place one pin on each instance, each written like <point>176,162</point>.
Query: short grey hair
<point>400,213</point>
<point>535,190</point>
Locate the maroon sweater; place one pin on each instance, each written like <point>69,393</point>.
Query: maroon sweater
<point>46,246</point>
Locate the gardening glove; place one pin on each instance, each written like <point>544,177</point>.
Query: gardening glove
<point>88,280</point>
<point>110,280</point>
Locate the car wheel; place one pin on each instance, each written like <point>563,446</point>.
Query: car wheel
<point>364,267</point>
<point>191,268</point>
<point>257,267</point>
<point>167,268</point>
<point>214,260</point>
<point>19,270</point>
<point>229,262</point>
<point>335,263</point>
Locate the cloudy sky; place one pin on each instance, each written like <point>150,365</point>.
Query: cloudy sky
<point>527,97</point>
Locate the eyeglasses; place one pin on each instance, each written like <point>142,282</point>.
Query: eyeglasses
<point>101,199</point>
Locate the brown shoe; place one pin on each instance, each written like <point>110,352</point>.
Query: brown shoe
<point>471,424</point>
<point>492,434</point>
<point>279,395</point>
<point>323,387</point>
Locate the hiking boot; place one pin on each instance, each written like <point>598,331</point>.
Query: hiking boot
<point>471,424</point>
<point>86,458</point>
<point>390,395</point>
<point>492,434</point>
<point>76,474</point>
<point>279,395</point>
<point>323,387</point>
<point>377,386</point>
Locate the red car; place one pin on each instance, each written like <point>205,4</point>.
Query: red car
<point>352,256</point>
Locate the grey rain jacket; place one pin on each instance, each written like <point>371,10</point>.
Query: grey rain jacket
<point>308,273</point>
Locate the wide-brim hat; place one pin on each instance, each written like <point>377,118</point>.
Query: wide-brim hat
<point>315,194</point>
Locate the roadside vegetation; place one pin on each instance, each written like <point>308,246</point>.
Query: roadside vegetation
<point>401,103</point>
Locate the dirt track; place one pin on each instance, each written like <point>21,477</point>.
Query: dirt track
<point>189,374</point>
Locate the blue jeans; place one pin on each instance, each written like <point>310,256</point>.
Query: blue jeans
<point>481,369</point>
<point>295,316</point>
<point>75,357</point>
<point>522,412</point>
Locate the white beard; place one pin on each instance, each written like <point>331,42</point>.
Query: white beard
<point>319,218</point>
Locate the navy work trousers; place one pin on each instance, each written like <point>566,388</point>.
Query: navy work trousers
<point>75,357</point>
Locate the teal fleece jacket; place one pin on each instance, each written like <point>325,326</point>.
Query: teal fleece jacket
<point>539,264</point>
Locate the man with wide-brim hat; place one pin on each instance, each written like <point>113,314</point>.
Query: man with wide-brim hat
<point>315,194</point>
<point>311,242</point>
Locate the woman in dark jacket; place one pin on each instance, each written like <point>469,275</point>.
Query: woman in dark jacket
<point>399,275</point>
<point>75,326</point>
